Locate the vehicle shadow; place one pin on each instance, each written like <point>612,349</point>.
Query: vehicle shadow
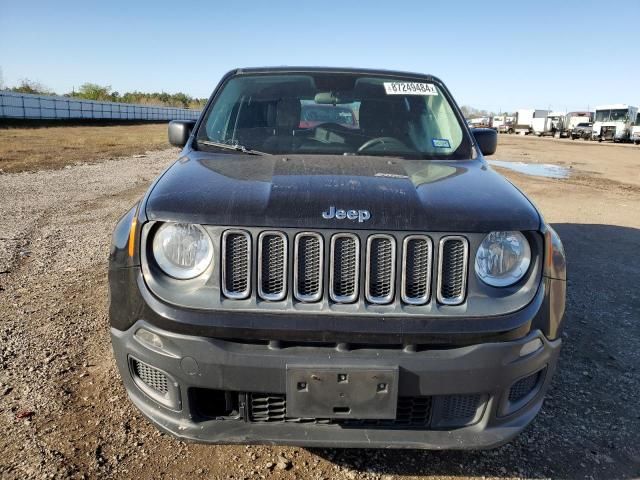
<point>589,426</point>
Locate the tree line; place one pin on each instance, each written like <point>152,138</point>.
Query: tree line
<point>104,93</point>
<point>470,112</point>
<point>94,91</point>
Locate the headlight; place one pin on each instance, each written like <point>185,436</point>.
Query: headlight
<point>503,258</point>
<point>182,250</point>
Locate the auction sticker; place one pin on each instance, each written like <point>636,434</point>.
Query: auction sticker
<point>440,143</point>
<point>410,88</point>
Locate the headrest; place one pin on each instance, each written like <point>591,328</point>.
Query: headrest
<point>288,112</point>
<point>376,116</point>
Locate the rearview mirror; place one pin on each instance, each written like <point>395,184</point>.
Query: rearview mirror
<point>331,98</point>
<point>487,140</point>
<point>179,131</point>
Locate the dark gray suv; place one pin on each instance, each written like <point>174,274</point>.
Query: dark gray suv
<point>367,282</point>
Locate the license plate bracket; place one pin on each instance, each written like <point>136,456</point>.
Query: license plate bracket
<point>342,392</point>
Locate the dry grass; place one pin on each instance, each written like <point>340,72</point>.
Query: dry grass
<point>30,149</point>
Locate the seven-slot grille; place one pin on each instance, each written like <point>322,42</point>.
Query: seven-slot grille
<point>385,261</point>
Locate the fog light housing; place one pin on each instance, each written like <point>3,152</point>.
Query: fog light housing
<point>149,338</point>
<point>530,347</point>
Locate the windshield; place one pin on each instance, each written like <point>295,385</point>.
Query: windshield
<point>336,114</point>
<point>637,124</point>
<point>617,115</point>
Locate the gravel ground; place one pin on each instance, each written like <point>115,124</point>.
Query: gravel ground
<point>64,413</point>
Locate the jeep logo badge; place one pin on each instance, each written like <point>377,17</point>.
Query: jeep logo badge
<point>339,214</point>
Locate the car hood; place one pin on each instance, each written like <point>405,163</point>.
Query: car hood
<point>294,191</point>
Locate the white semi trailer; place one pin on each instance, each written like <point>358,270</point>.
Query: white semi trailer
<point>523,123</point>
<point>480,122</point>
<point>614,122</point>
<point>551,124</point>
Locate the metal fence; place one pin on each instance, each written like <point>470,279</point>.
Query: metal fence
<point>41,107</point>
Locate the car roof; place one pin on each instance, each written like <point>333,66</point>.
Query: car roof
<point>302,69</point>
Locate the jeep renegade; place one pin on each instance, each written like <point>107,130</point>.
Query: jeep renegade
<point>360,279</point>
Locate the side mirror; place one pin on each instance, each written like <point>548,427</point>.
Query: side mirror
<point>179,131</point>
<point>487,140</point>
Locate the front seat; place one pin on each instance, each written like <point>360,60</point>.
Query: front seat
<point>286,122</point>
<point>376,118</point>
<point>384,118</point>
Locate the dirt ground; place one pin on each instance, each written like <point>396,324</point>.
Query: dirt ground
<point>30,149</point>
<point>64,413</point>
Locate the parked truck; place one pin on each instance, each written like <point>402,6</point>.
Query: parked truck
<point>635,130</point>
<point>508,125</point>
<point>572,120</point>
<point>497,121</point>
<point>503,123</point>
<point>480,122</point>
<point>523,123</point>
<point>550,124</point>
<point>614,122</point>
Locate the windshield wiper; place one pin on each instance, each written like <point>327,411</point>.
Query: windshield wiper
<point>226,146</point>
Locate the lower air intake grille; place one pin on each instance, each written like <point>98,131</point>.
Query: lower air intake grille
<point>308,267</point>
<point>411,412</point>
<point>272,408</point>
<point>524,387</point>
<point>345,266</point>
<point>460,407</point>
<point>265,408</point>
<point>151,377</point>
<point>272,266</point>
<point>452,278</point>
<point>236,271</point>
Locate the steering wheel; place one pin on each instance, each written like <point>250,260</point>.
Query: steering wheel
<point>379,140</point>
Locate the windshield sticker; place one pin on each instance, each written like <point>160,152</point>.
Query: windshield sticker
<point>409,88</point>
<point>440,143</point>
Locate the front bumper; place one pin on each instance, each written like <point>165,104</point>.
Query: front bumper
<point>202,370</point>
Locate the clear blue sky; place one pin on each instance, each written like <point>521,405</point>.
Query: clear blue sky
<point>492,54</point>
